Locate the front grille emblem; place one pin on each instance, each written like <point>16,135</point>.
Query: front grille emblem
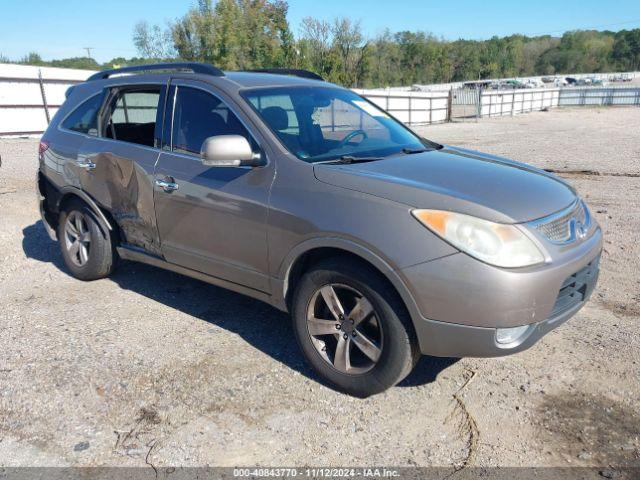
<point>579,228</point>
<point>566,226</point>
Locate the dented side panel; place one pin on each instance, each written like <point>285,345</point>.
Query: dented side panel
<point>122,182</point>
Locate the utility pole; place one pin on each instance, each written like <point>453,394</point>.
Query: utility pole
<point>88,49</point>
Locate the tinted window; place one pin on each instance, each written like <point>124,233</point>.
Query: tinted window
<point>199,115</point>
<point>84,119</point>
<point>133,116</point>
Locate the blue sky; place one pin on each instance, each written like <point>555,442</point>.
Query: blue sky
<point>58,29</point>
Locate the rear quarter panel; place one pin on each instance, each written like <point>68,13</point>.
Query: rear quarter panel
<point>122,182</point>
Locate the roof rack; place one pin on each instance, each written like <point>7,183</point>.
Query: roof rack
<point>193,66</point>
<point>290,71</point>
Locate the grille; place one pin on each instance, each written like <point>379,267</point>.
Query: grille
<point>576,288</point>
<point>560,229</point>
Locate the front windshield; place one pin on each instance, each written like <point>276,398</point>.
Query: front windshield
<point>319,124</point>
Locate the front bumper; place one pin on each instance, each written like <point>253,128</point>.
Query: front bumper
<point>442,339</point>
<point>461,302</point>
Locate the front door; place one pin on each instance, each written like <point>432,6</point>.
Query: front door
<point>210,219</point>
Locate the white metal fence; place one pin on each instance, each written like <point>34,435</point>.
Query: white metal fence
<point>412,108</point>
<point>30,96</point>
<point>499,103</point>
<point>599,96</point>
<point>512,102</point>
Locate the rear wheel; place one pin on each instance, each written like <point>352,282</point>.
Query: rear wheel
<point>86,247</point>
<point>352,327</point>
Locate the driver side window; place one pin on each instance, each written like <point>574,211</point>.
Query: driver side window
<point>199,115</point>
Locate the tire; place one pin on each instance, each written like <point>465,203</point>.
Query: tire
<point>93,257</point>
<point>388,327</point>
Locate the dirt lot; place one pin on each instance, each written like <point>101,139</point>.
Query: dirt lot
<point>149,367</point>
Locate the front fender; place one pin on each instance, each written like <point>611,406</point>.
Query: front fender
<point>282,282</point>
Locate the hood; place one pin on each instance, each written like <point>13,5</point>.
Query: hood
<point>457,180</point>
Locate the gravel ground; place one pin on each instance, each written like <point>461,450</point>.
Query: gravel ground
<point>149,367</point>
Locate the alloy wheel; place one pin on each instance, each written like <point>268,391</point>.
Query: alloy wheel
<point>77,238</point>
<point>345,329</point>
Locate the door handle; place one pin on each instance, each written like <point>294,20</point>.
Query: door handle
<point>167,186</point>
<point>87,165</point>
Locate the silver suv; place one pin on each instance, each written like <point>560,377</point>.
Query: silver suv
<point>382,245</point>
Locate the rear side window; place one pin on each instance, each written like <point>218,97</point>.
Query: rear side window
<point>199,115</point>
<point>84,119</point>
<point>133,115</point>
<point>136,107</point>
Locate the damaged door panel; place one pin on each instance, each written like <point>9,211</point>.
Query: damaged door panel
<point>118,168</point>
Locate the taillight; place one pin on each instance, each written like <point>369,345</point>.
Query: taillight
<point>43,147</point>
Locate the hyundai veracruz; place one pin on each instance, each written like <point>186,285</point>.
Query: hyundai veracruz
<point>380,244</point>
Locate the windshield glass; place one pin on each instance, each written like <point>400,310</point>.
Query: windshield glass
<point>319,124</point>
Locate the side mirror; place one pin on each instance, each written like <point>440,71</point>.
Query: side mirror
<point>229,151</point>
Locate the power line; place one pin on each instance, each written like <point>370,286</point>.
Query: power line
<point>88,49</point>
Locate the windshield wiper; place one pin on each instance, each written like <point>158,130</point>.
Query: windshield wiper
<point>346,159</point>
<point>410,151</point>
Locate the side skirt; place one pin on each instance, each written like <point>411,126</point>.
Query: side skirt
<point>128,252</point>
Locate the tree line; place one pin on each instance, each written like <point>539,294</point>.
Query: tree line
<point>254,34</point>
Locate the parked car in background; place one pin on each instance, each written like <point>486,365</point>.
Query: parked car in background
<point>533,83</point>
<point>560,82</point>
<point>477,84</point>
<point>381,245</point>
<point>514,83</point>
<point>622,77</point>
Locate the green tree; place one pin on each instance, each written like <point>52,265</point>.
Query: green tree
<point>236,34</point>
<point>315,46</point>
<point>350,52</point>
<point>82,63</point>
<point>625,53</point>
<point>153,41</point>
<point>32,58</point>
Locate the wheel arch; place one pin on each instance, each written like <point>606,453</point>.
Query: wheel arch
<point>105,220</point>
<point>311,251</point>
<point>68,193</point>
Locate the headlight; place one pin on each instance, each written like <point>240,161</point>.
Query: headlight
<point>495,243</point>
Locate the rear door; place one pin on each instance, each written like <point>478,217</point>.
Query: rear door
<point>211,219</point>
<point>120,161</point>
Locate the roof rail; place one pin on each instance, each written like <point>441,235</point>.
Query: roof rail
<point>290,71</point>
<point>195,67</point>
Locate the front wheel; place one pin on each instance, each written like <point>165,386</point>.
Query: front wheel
<point>352,327</point>
<point>87,250</point>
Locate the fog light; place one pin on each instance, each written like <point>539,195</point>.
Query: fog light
<point>510,335</point>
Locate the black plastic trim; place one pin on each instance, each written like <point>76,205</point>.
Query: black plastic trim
<point>290,71</point>
<point>195,67</point>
